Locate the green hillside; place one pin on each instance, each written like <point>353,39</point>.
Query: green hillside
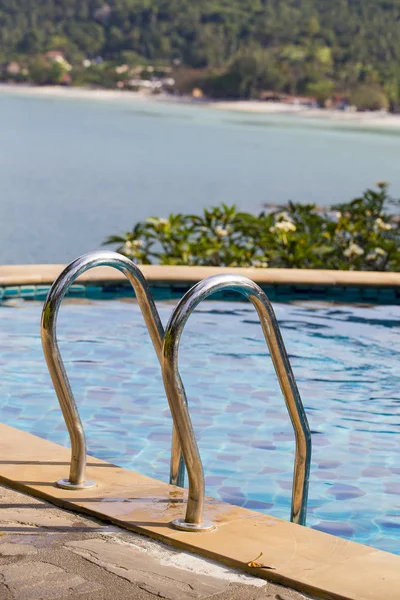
<point>298,46</point>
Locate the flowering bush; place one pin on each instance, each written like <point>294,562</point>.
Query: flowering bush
<point>362,234</point>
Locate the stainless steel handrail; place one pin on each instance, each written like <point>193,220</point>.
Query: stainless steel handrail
<point>53,358</point>
<point>175,391</point>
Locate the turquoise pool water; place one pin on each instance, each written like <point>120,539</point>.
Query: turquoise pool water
<point>345,358</point>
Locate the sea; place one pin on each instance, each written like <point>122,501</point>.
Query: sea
<point>73,171</point>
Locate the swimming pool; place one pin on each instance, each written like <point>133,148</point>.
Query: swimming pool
<point>344,358</point>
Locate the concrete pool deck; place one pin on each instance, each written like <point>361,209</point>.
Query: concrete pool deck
<point>300,558</point>
<point>88,560</point>
<point>48,553</point>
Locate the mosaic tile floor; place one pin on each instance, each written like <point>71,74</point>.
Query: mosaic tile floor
<point>345,359</point>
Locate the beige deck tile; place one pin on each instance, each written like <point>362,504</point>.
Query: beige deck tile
<point>304,559</point>
<point>46,274</point>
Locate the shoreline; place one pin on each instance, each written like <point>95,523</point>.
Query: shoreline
<point>374,119</point>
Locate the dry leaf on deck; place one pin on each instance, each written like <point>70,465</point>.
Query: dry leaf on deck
<point>256,565</point>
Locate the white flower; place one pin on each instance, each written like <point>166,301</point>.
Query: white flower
<point>338,215</point>
<point>221,232</point>
<point>283,222</point>
<point>283,216</point>
<point>157,222</point>
<point>131,244</point>
<point>353,250</point>
<point>375,253</point>
<point>380,224</point>
<point>259,264</point>
<point>283,226</point>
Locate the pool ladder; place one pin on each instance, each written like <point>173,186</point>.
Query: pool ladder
<point>185,450</point>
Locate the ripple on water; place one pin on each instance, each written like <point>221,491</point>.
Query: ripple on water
<point>345,359</point>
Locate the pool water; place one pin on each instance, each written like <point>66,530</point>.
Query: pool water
<point>345,359</point>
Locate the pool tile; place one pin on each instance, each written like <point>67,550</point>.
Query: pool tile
<point>343,356</point>
<point>10,292</point>
<point>41,292</point>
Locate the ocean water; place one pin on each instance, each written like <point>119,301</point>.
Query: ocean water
<point>345,360</point>
<point>75,171</point>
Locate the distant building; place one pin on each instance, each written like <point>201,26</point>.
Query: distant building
<point>103,13</point>
<point>154,85</point>
<point>340,102</point>
<point>13,68</point>
<point>66,79</point>
<point>270,96</point>
<point>55,55</point>
<point>197,93</point>
<point>307,101</point>
<point>121,69</point>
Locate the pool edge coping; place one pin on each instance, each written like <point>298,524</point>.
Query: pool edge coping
<point>40,274</point>
<point>304,559</point>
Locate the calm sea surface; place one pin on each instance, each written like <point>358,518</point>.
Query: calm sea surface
<point>74,171</point>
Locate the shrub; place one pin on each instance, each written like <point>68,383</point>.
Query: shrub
<point>369,97</point>
<point>358,235</point>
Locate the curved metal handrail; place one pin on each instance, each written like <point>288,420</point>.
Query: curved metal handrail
<point>53,358</point>
<point>178,404</point>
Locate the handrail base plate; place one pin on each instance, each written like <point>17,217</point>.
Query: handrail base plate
<point>183,525</point>
<point>65,484</point>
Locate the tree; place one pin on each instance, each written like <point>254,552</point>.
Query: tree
<point>39,71</point>
<point>251,71</point>
<point>301,43</point>
<point>369,97</point>
<point>322,90</point>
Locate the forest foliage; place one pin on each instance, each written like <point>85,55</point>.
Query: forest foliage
<point>313,47</point>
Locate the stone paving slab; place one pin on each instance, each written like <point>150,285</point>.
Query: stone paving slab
<point>47,553</point>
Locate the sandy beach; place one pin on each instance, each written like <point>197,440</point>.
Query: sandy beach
<point>371,119</point>
<point>81,93</point>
